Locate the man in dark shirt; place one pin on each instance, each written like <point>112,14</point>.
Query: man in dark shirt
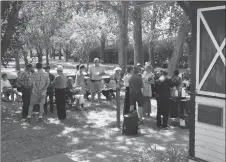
<point>163,90</point>
<point>49,90</point>
<point>136,95</point>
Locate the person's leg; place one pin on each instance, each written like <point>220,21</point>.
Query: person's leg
<point>149,106</point>
<point>98,89</point>
<point>145,107</point>
<point>51,94</point>
<point>132,101</point>
<point>41,103</point>
<point>33,101</point>
<point>63,104</point>
<point>26,96</point>
<point>57,95</point>
<point>45,104</point>
<point>93,91</point>
<point>165,113</point>
<point>159,113</point>
<point>140,100</point>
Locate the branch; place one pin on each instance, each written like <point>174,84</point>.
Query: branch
<point>186,7</point>
<point>150,3</point>
<point>108,5</point>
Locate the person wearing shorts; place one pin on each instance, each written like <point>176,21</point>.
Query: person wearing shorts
<point>40,82</point>
<point>96,72</point>
<point>136,95</point>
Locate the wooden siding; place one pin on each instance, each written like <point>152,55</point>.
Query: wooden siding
<point>210,139</point>
<point>196,155</point>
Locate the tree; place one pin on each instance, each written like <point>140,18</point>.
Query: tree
<point>9,16</point>
<point>137,34</point>
<point>183,30</point>
<point>122,13</point>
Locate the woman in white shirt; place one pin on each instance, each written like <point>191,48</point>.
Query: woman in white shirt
<point>126,79</point>
<point>7,88</point>
<point>148,79</point>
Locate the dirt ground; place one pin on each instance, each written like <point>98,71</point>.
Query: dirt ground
<point>93,130</point>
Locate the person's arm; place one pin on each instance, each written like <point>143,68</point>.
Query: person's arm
<point>20,79</point>
<point>32,80</point>
<point>47,83</point>
<point>53,83</point>
<point>90,72</point>
<point>142,84</point>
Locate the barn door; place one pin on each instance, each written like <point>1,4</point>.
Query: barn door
<point>210,68</point>
<point>209,139</point>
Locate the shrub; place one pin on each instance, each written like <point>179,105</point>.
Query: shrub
<point>172,153</point>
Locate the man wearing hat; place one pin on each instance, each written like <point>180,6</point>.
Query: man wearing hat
<point>60,85</point>
<point>49,90</point>
<point>25,88</point>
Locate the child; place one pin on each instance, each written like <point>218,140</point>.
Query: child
<point>110,88</point>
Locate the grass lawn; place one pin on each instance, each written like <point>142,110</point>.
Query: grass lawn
<point>84,135</point>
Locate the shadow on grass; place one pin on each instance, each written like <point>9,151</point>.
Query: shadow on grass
<point>89,135</point>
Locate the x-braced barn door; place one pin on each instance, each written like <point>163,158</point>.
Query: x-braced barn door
<point>210,68</point>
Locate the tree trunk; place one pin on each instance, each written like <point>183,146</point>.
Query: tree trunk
<point>102,47</point>
<point>137,36</point>
<point>53,53</point>
<point>10,30</point>
<point>17,62</point>
<point>60,53</point>
<point>47,56</point>
<point>151,41</point>
<point>31,54</point>
<point>178,48</point>
<point>25,57</point>
<point>39,53</point>
<point>151,53</point>
<point>189,55</point>
<point>123,32</point>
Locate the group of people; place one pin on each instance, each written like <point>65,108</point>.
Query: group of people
<point>140,84</point>
<point>37,86</point>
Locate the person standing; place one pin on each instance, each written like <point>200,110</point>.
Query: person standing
<point>80,79</point>
<point>25,88</point>
<point>148,79</point>
<point>60,85</point>
<point>126,79</point>
<point>177,80</point>
<point>164,90</point>
<point>96,72</point>
<point>40,82</point>
<point>136,96</point>
<point>50,92</point>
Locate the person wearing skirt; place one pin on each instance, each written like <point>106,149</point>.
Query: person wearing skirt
<point>60,84</point>
<point>127,92</point>
<point>148,79</point>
